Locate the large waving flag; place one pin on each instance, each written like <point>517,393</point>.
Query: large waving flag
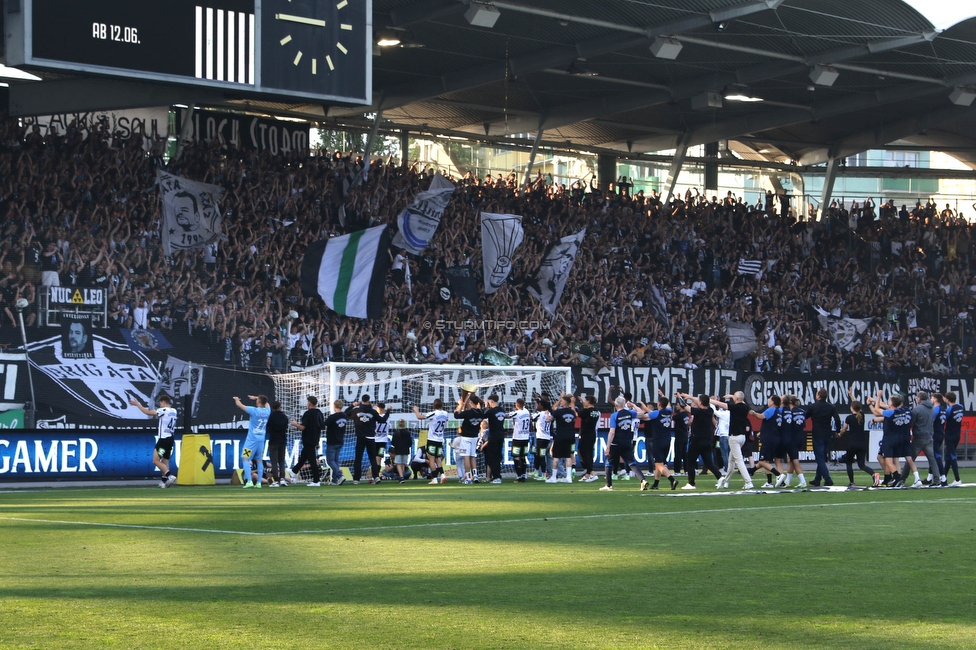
<point>418,222</point>
<point>349,272</point>
<point>191,214</point>
<point>550,279</point>
<point>501,234</point>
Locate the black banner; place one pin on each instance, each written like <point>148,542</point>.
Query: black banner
<point>643,382</point>
<point>964,386</point>
<point>94,391</point>
<point>248,132</point>
<point>464,285</point>
<point>759,387</point>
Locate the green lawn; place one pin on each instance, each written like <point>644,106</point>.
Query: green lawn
<point>483,566</point>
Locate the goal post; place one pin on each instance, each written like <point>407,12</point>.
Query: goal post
<point>402,386</point>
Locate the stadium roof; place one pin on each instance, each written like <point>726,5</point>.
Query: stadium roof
<point>835,77</point>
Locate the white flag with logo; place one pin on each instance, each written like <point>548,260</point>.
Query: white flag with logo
<point>418,222</point>
<point>550,279</point>
<point>191,213</point>
<point>844,331</point>
<point>501,234</point>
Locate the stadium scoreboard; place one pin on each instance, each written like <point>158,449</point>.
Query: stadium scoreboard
<point>314,49</point>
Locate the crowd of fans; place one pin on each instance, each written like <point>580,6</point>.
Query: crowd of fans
<point>84,205</point>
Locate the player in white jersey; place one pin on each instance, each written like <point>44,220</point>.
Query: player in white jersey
<point>164,442</point>
<point>543,438</point>
<point>382,435</point>
<point>521,430</point>
<point>435,439</point>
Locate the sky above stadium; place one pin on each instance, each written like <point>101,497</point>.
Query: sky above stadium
<point>943,14</point>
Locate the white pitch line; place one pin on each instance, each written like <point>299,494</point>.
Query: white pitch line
<point>136,526</point>
<point>447,524</point>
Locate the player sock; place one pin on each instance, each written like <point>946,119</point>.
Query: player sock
<point>656,483</point>
<point>672,480</point>
<point>896,476</point>
<point>775,472</point>
<point>769,478</point>
<point>752,471</point>
<point>916,476</point>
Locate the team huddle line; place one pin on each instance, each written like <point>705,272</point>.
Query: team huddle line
<point>702,427</point>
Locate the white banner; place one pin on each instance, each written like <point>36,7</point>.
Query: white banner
<point>501,234</point>
<point>550,279</point>
<point>178,379</point>
<point>191,214</point>
<point>151,124</point>
<point>418,222</point>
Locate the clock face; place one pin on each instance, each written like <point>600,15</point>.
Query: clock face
<point>316,46</point>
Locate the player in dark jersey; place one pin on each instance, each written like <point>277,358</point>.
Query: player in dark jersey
<point>661,430</point>
<point>897,438</point>
<point>311,427</point>
<point>953,434</point>
<point>563,440</point>
<point>335,436</point>
<point>938,440</point>
<point>277,441</point>
<point>680,418</point>
<point>770,439</point>
<point>589,419</point>
<point>470,414</point>
<point>857,444</point>
<point>701,440</point>
<point>620,441</point>
<point>823,415</point>
<point>495,415</point>
<point>363,417</point>
<point>798,438</point>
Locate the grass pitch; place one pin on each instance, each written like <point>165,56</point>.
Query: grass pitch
<point>485,566</point>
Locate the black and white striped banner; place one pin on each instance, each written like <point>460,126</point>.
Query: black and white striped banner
<point>224,45</point>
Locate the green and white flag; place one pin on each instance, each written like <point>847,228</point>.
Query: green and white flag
<point>349,272</point>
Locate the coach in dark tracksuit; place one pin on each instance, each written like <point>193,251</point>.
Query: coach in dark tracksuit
<point>363,417</point>
<point>822,414</point>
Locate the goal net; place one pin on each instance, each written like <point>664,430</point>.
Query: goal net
<point>401,386</point>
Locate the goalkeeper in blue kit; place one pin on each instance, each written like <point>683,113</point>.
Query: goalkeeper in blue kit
<point>256,431</point>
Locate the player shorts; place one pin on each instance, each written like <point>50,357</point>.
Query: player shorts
<point>435,449</point>
<point>401,459</point>
<point>520,448</point>
<point>903,448</point>
<point>381,449</point>
<point>541,447</point>
<point>164,447</point>
<point>563,447</point>
<point>660,450</point>
<point>624,452</point>
<point>253,446</point>
<point>896,446</point>
<point>467,447</point>
<point>770,448</point>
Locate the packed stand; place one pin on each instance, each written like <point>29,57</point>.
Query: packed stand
<point>85,208</point>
